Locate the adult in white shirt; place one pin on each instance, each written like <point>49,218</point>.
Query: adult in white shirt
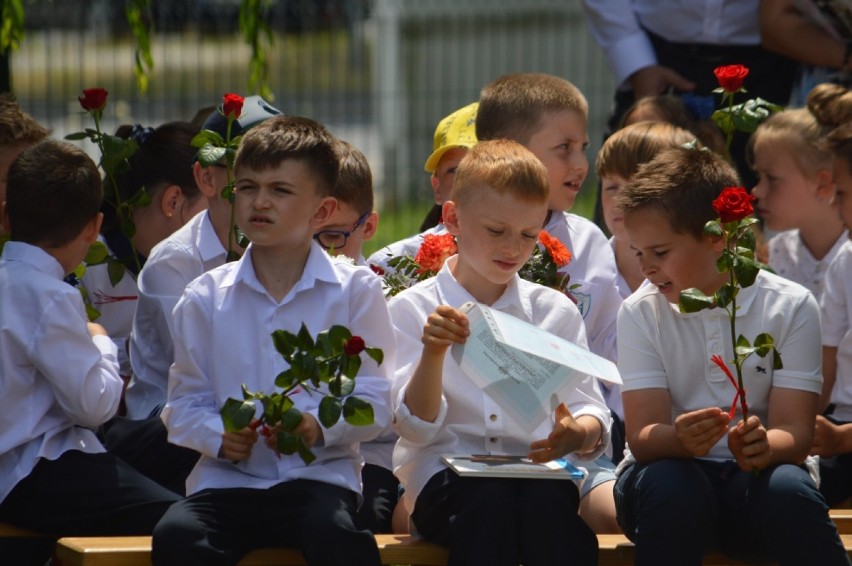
<point>657,46</point>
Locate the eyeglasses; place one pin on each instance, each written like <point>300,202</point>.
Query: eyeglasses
<point>336,239</point>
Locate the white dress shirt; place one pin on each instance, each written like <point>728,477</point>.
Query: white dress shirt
<point>836,307</point>
<point>173,264</point>
<point>789,258</point>
<point>592,269</point>
<point>56,380</point>
<point>661,348</point>
<point>222,328</point>
<point>116,303</point>
<point>618,27</point>
<point>469,421</point>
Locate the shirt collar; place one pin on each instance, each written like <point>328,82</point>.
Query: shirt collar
<point>319,267</point>
<point>450,292</point>
<point>207,241</point>
<point>34,256</point>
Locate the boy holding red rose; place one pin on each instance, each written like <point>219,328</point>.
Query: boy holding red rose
<point>242,495</point>
<point>692,479</point>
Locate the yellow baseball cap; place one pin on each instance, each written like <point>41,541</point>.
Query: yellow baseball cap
<point>456,130</point>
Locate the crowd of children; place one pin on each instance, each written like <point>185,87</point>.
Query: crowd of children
<point>662,462</point>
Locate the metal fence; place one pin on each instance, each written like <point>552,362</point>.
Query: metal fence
<point>378,73</point>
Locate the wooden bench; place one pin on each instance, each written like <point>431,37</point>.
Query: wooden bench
<point>11,531</point>
<point>615,550</point>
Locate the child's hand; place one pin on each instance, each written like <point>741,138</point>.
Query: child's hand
<point>443,327</point>
<point>698,431</point>
<point>749,444</point>
<point>827,438</point>
<point>308,428</point>
<point>567,436</point>
<point>236,446</point>
<point>96,329</point>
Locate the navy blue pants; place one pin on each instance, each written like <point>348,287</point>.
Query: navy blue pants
<point>676,510</point>
<point>502,521</point>
<point>220,526</point>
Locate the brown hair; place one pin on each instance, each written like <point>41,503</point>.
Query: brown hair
<point>515,106</point>
<point>682,184</point>
<point>279,138</point>
<point>355,182</point>
<point>16,126</point>
<point>625,150</point>
<point>54,190</point>
<point>831,105</point>
<point>503,166</point>
<point>670,108</point>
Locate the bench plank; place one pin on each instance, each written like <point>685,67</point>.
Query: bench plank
<point>11,531</point>
<point>615,550</point>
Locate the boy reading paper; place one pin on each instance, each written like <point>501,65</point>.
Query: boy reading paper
<point>498,207</point>
<point>242,494</point>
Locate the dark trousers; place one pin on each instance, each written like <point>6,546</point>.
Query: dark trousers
<point>82,494</point>
<point>220,526</point>
<point>381,494</point>
<point>144,445</point>
<point>501,521</point>
<point>676,510</point>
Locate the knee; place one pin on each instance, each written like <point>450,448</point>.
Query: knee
<point>790,491</point>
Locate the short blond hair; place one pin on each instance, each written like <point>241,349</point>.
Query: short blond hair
<point>502,166</point>
<point>514,106</point>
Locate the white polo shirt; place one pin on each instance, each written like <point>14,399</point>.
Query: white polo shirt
<point>661,348</point>
<point>789,258</point>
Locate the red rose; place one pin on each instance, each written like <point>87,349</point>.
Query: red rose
<point>377,269</point>
<point>734,203</point>
<point>434,251</point>
<point>354,346</point>
<point>93,99</point>
<point>232,104</point>
<point>731,77</point>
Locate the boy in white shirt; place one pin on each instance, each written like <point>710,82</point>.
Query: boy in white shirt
<point>498,207</point>
<point>285,169</point>
<point>693,479</point>
<point>58,372</point>
<point>549,116</point>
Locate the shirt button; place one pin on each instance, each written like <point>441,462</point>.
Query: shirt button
<point>717,348</point>
<point>493,417</point>
<point>493,439</point>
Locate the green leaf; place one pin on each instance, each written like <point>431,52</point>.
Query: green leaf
<point>329,411</point>
<point>305,453</point>
<point>763,344</point>
<point>210,155</point>
<point>351,365</point>
<point>725,261</point>
<point>357,412</point>
<point>694,300</point>
<point>77,136</point>
<point>376,354</point>
<point>713,228</point>
<point>286,379</point>
<point>207,137</point>
<point>287,442</point>
<point>776,360</point>
<point>140,198</point>
<point>236,414</point>
<point>97,254</point>
<point>726,294</point>
<point>304,338</point>
<point>115,270</point>
<point>285,342</point>
<point>127,226</point>
<point>290,418</point>
<point>742,342</point>
<point>745,270</point>
<point>338,335</point>
<point>92,313</point>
